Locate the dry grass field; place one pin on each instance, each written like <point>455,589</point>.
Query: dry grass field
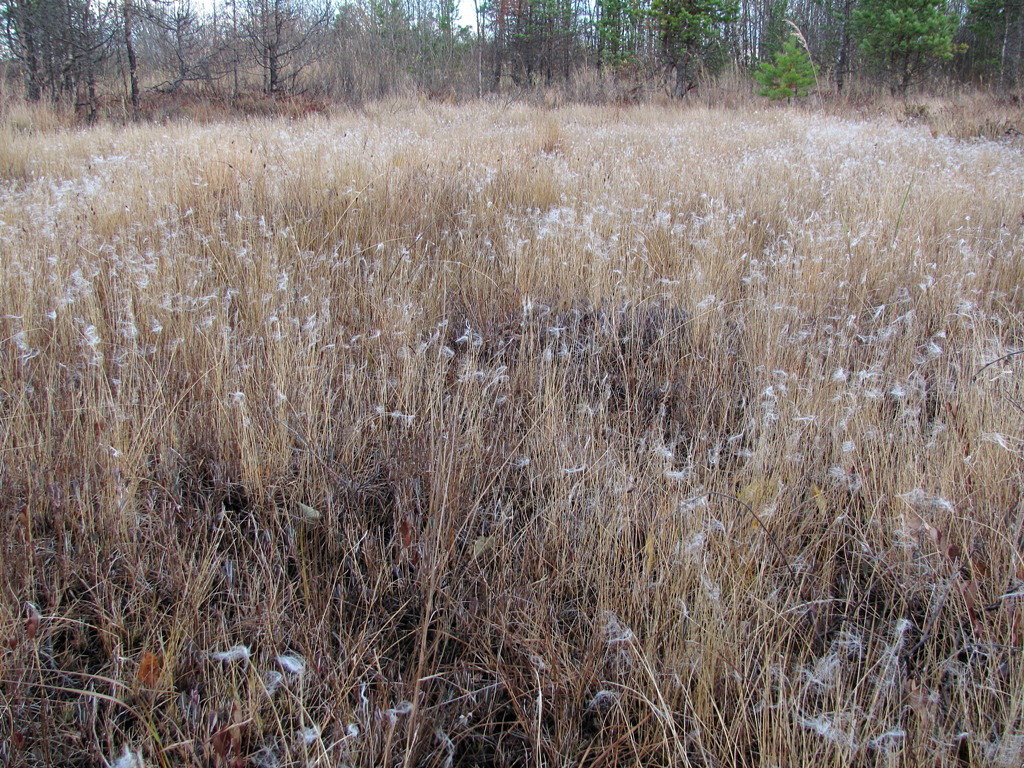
<point>495,435</point>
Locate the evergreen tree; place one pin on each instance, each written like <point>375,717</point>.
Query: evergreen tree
<point>616,27</point>
<point>995,36</point>
<point>685,28</point>
<point>903,37</point>
<point>790,75</point>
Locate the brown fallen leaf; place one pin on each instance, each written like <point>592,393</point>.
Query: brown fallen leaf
<point>482,545</point>
<point>922,701</point>
<point>969,591</point>
<point>32,621</point>
<point>150,668</point>
<point>238,760</point>
<point>916,525</point>
<point>308,513</point>
<point>405,530</point>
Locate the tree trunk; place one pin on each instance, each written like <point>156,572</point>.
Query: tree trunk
<point>129,47</point>
<point>179,52</point>
<point>498,61</point>
<point>843,65</point>
<point>684,81</point>
<point>274,49</point>
<point>1014,43</point>
<point>479,49</point>
<point>234,49</point>
<point>33,91</point>
<point>92,107</point>
<point>906,72</point>
<point>273,71</point>
<point>679,90</point>
<point>26,30</point>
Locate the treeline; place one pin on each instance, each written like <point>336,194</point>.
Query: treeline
<point>80,51</point>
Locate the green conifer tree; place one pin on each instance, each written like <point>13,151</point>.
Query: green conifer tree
<point>903,37</point>
<point>616,27</point>
<point>685,27</point>
<point>790,75</point>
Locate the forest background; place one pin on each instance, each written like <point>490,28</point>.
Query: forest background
<point>126,58</point>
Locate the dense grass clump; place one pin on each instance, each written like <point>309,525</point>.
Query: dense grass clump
<point>593,437</point>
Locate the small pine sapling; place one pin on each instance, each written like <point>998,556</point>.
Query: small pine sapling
<point>789,75</point>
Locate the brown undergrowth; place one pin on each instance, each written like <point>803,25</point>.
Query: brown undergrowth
<point>484,435</point>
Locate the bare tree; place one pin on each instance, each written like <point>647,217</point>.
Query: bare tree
<point>128,14</point>
<point>188,48</point>
<point>284,37</point>
<point>61,44</point>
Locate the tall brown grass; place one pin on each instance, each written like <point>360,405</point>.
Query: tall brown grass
<point>492,435</point>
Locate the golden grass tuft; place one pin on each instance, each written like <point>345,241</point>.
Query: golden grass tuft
<point>492,435</point>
